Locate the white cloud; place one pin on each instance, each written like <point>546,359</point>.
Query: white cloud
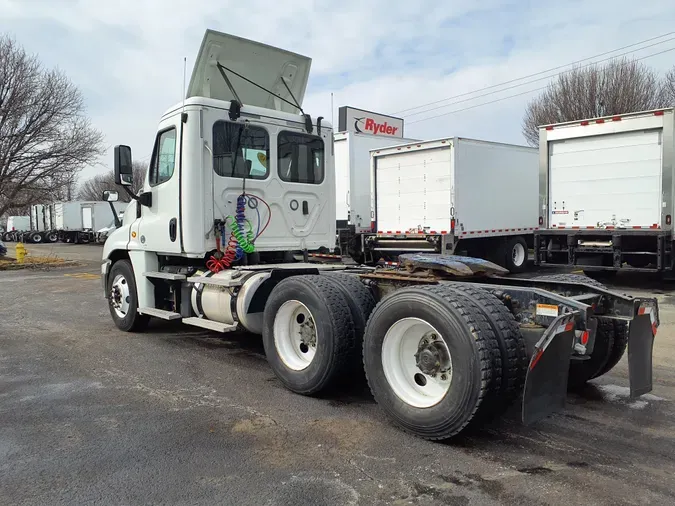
<point>381,55</point>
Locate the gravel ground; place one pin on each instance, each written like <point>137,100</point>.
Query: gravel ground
<point>177,415</point>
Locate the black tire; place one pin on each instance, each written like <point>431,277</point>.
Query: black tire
<point>360,299</point>
<point>336,344</point>
<point>470,347</point>
<point>52,237</point>
<point>610,342</point>
<point>36,238</point>
<point>133,321</point>
<point>514,245</point>
<point>361,303</point>
<point>512,349</point>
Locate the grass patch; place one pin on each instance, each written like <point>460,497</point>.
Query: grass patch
<point>34,262</point>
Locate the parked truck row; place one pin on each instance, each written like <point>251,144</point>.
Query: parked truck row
<point>241,188</point>
<point>597,194</point>
<point>74,222</point>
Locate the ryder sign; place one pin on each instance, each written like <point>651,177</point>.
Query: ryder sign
<point>369,123</point>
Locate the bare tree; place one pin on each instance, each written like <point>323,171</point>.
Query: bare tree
<point>618,87</point>
<point>45,136</point>
<point>669,87</point>
<point>93,188</point>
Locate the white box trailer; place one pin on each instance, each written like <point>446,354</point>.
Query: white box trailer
<point>455,195</point>
<point>353,177</point>
<point>606,192</point>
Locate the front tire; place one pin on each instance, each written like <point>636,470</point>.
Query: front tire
<point>123,298</point>
<point>308,334</point>
<point>428,361</point>
<point>36,238</point>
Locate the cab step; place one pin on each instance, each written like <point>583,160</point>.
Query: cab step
<point>209,324</point>
<point>173,276</point>
<point>159,313</point>
<point>215,281</point>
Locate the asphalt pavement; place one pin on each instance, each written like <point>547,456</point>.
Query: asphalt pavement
<point>176,415</point>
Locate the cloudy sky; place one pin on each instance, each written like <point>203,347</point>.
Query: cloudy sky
<point>381,55</point>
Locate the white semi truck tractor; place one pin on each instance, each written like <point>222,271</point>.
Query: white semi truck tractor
<point>241,189</point>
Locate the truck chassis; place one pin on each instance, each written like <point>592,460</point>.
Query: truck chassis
<point>640,250</point>
<point>445,342</point>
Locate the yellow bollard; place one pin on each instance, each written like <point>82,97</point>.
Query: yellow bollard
<point>21,252</point>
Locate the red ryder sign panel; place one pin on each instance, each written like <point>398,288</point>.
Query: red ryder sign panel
<point>369,123</point>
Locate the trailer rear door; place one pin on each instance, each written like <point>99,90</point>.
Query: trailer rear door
<point>87,218</point>
<point>612,179</point>
<point>414,188</point>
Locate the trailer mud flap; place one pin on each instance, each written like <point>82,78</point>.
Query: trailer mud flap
<point>546,381</point>
<point>642,330</point>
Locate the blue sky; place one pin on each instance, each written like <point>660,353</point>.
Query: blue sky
<point>386,56</point>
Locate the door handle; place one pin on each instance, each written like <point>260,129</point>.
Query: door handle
<point>305,207</point>
<point>172,229</point>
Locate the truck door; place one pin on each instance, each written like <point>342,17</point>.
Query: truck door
<point>159,227</point>
<point>305,172</point>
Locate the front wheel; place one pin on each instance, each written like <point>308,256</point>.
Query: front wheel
<point>36,237</point>
<point>123,298</point>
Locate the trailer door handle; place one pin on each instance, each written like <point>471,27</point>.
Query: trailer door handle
<point>305,207</point>
<point>172,229</point>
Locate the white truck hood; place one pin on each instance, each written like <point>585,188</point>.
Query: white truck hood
<point>264,65</point>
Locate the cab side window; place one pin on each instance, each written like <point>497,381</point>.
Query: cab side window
<point>163,157</point>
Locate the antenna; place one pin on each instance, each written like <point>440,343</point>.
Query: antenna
<point>184,77</point>
<point>332,111</point>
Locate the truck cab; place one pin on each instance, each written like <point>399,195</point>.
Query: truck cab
<point>237,161</point>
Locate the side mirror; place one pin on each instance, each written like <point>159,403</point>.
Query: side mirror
<point>111,196</point>
<point>124,173</point>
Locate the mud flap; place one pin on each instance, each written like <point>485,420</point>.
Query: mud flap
<point>642,330</point>
<point>546,381</point>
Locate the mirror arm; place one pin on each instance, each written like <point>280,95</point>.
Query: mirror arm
<point>118,223</point>
<point>131,194</point>
<point>144,199</point>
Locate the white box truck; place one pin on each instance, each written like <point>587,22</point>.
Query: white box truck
<point>454,195</point>
<point>78,221</point>
<point>440,354</point>
<point>42,227</point>
<point>353,177</point>
<point>606,193</point>
<point>16,225</point>
<point>354,184</point>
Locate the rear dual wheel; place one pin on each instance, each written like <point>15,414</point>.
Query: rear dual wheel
<point>434,360</point>
<point>437,358</point>
<point>312,329</point>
